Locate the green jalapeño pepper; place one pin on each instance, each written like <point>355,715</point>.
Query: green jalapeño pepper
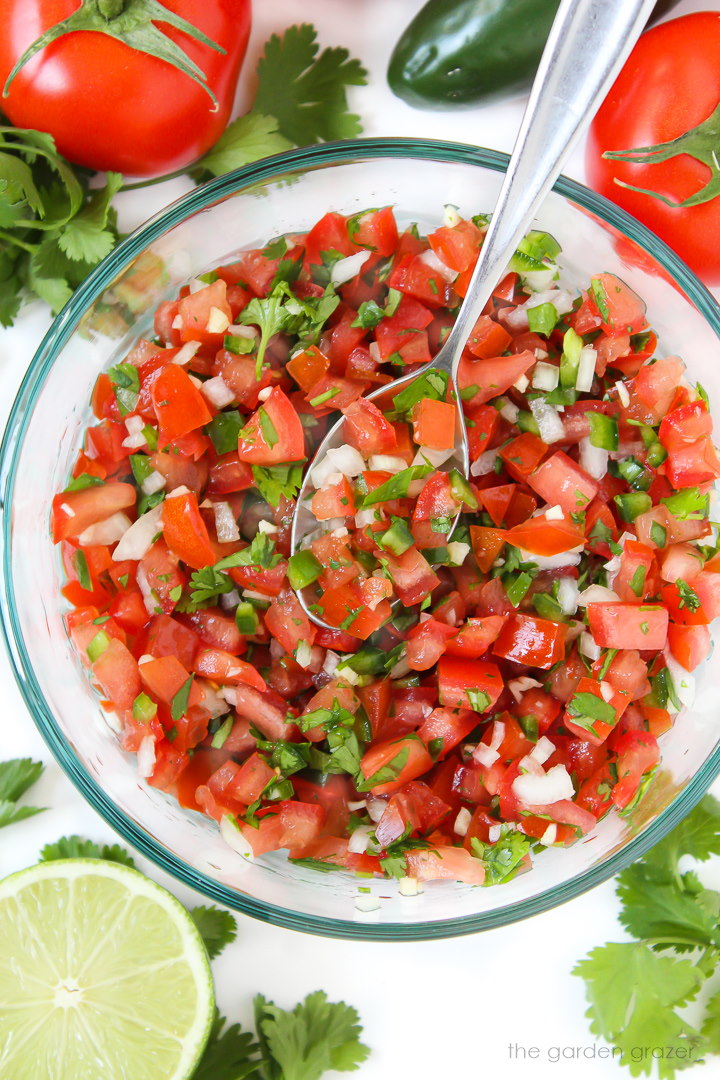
<point>464,52</point>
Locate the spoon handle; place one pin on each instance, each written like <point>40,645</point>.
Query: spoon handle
<point>588,43</point>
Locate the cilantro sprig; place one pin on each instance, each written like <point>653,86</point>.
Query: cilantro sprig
<point>637,990</point>
<point>16,777</point>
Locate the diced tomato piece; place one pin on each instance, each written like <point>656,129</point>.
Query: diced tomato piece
<point>223,667</point>
<point>288,623</point>
<point>527,639</point>
<point>185,532</point>
<point>563,483</point>
<point>367,429</point>
<point>307,367</point>
<point>680,561</point>
<point>417,279</point>
<point>179,405</point>
<point>201,312</point>
<point>622,311</point>
<point>690,645</point>
<point>116,671</point>
<point>407,758</point>
<point>75,511</point>
<point>637,576</point>
<point>329,234</point>
<point>684,426</point>
<point>637,754</point>
<point>450,726</point>
<point>481,380</point>
<point>337,500</point>
<point>434,424</point>
<point>345,608</point>
<point>487,545</point>
<point>426,643</point>
<point>435,509</point>
<point>693,465</point>
<point>273,434</point>
<point>468,684</point>
<point>488,338</point>
<point>412,576</point>
<point>475,637</point>
<point>160,578</point>
<point>375,230</point>
<point>628,626</point>
<point>543,536</point>
<point>445,862</point>
<point>521,456</point>
<point>457,245</point>
<point>168,637</point>
<point>164,676</point>
<point>586,724</point>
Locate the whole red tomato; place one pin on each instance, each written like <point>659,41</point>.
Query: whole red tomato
<point>112,107</point>
<point>670,84</point>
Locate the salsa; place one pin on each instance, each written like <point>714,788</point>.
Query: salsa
<point>505,649</point>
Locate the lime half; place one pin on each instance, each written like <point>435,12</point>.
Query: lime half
<point>103,976</point>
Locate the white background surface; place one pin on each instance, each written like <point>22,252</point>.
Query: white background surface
<point>446,1008</point>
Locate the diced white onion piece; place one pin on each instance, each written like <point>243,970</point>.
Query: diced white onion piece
<point>484,464</point>
<point>243,331</point>
<point>364,903</point>
<point>186,352</point>
<point>436,457</point>
<point>387,463</point>
<point>153,483</point>
<point>365,517</point>
<point>545,376</point>
<point>375,354</point>
<point>357,804</point>
<point>231,834</point>
<point>344,459</point>
<point>622,392</point>
<point>597,594</point>
<point>517,687</point>
<point>225,524</point>
<point>498,734</point>
<point>485,755</point>
<point>682,680</point>
<point>375,808</point>
<point>135,437</point>
<point>212,700</point>
<point>593,459</point>
<point>265,393</point>
<point>177,323</point>
<point>542,750</point>
<point>196,285</point>
<point>339,532</point>
<point>346,269</point>
<point>494,833</point>
<point>555,513</point>
<point>180,490</point>
<point>552,786</point>
<point>137,540</point>
<point>515,319</point>
<point>347,674</point>
<point>230,600</point>
<point>586,368</point>
<point>197,383</point>
<point>458,552</point>
<point>400,670</point>
<point>218,321</point>
<point>553,562</point>
<point>451,216</point>
<point>550,835</point>
<point>331,661</point>
<point>537,280</point>
<point>146,756</point>
<point>606,690</point>
<point>303,654</point>
<point>409,886</point>
<point>588,646</point>
<point>147,595</point>
<point>612,569</point>
<point>105,532</point>
<point>359,840</point>
<point>522,383</point>
<point>267,527</point>
<point>509,412</point>
<point>567,596</point>
<point>462,822</point>
<point>548,421</point>
<point>435,263</point>
<point>416,486</point>
<point>217,392</point>
<point>528,764</point>
<point>542,354</point>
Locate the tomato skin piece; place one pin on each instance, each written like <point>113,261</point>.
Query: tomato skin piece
<point>75,511</point>
<point>445,862</point>
<point>690,645</point>
<point>222,667</point>
<point>288,623</point>
<point>637,753</point>
<point>185,532</point>
<point>179,406</point>
<point>475,637</point>
<point>367,429</point>
<point>530,640</point>
<point>487,545</point>
<point>195,311</point>
<point>111,107</point>
<point>620,626</point>
<point>434,424</point>
<point>488,338</point>
<point>117,672</point>
<point>669,84</point>
<point>685,425</point>
<point>284,431</point>
<point>693,466</point>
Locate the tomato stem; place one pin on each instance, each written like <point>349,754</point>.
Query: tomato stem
<point>140,184</point>
<point>110,9</point>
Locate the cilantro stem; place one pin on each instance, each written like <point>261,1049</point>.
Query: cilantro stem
<point>32,248</point>
<point>139,184</point>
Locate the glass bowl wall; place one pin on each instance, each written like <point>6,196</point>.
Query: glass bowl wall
<point>97,328</point>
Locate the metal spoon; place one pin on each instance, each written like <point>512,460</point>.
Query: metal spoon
<point>588,43</point>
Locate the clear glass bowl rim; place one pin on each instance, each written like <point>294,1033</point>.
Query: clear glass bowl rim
<point>57,336</point>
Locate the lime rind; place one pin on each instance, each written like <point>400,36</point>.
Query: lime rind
<point>102,973</point>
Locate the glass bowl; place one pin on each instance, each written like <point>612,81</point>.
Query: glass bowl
<point>109,311</point>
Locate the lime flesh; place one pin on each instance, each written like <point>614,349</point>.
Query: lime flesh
<point>103,976</point>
